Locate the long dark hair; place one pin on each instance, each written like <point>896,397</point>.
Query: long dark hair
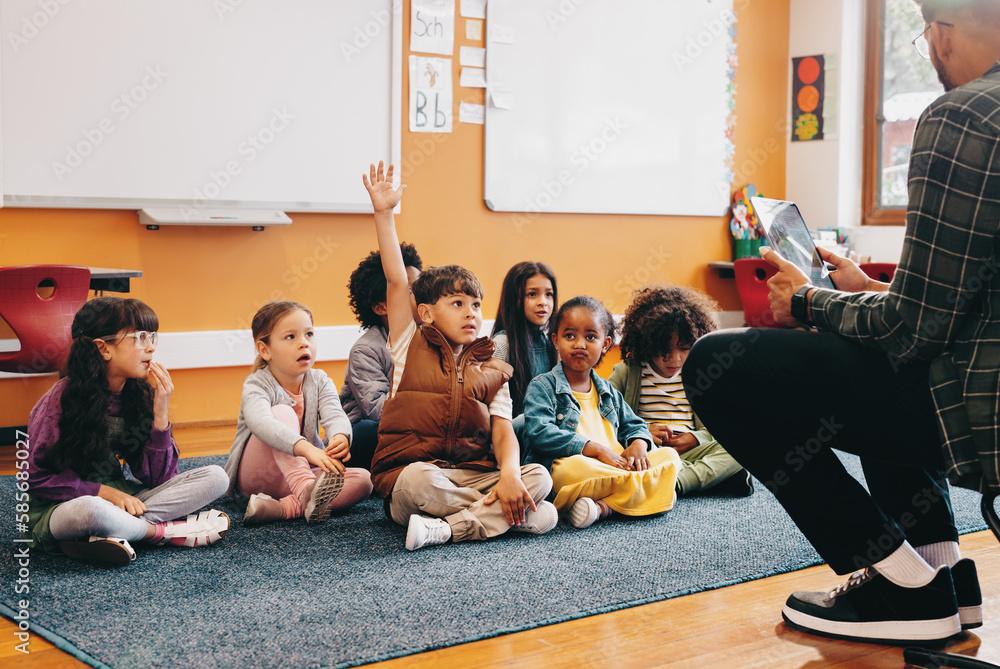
<point>512,321</point>
<point>84,445</point>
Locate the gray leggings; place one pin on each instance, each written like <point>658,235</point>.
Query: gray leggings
<point>93,516</point>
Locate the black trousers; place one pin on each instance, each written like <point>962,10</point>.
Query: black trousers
<point>780,400</point>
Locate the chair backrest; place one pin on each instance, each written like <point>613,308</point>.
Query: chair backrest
<point>751,277</point>
<point>42,324</point>
<point>880,271</point>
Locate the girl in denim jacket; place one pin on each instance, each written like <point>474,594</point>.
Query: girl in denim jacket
<point>580,427</point>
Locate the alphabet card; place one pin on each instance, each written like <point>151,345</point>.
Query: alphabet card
<point>432,26</point>
<point>430,94</point>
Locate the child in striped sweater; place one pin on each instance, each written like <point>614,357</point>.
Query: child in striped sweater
<point>659,328</point>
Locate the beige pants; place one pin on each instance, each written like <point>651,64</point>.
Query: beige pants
<point>457,496</point>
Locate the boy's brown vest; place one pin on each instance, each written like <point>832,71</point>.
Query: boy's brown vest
<point>440,412</point>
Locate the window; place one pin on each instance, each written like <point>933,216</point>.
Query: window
<point>899,85</point>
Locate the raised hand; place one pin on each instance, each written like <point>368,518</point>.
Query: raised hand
<point>379,185</point>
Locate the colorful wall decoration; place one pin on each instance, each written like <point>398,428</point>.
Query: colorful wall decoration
<point>808,91</point>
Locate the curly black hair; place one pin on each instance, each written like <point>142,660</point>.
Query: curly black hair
<point>656,313</point>
<point>367,284</point>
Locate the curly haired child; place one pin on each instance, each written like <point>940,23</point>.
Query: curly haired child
<point>659,329</point>
<point>369,364</point>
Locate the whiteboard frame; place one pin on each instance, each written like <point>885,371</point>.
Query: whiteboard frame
<point>517,180</point>
<point>395,148</point>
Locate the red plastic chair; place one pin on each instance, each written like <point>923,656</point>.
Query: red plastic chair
<point>880,271</point>
<point>751,283</point>
<point>41,324</point>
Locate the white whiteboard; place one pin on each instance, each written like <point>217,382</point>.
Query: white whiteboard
<point>615,106</point>
<point>225,103</point>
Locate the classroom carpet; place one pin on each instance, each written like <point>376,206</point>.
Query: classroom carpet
<point>347,592</point>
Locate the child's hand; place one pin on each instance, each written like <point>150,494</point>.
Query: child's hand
<point>161,397</point>
<point>592,449</point>
<point>317,457</point>
<point>339,448</point>
<point>661,432</point>
<point>122,500</point>
<point>636,456</point>
<point>684,441</point>
<point>384,198</point>
<point>513,497</point>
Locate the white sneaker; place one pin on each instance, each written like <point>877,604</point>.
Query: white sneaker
<point>424,531</point>
<point>540,521</point>
<point>584,512</point>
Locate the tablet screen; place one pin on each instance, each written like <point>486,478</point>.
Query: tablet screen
<point>788,234</point>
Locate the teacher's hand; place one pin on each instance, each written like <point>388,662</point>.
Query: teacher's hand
<point>782,286</point>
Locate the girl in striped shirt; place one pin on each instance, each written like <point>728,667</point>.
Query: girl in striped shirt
<point>659,328</point>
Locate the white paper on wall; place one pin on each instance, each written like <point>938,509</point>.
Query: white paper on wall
<point>430,94</point>
<point>432,26</point>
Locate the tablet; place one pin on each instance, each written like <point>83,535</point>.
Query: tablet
<point>787,233</point>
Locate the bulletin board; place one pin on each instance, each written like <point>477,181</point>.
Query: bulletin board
<point>610,106</point>
<point>223,103</point>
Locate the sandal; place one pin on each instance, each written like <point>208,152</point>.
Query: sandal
<point>107,550</point>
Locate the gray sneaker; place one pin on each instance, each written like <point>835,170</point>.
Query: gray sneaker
<point>328,485</point>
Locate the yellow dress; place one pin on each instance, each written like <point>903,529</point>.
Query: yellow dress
<point>641,493</point>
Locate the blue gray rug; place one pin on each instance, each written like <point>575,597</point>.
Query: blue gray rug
<point>348,593</point>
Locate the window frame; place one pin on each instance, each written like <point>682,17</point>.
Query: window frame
<point>871,214</point>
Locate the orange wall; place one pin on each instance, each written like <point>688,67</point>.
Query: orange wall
<point>215,278</point>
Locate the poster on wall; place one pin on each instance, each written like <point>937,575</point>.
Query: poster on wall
<point>430,94</point>
<point>808,92</point>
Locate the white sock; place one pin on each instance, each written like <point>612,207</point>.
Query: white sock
<point>944,553</point>
<point>906,568</point>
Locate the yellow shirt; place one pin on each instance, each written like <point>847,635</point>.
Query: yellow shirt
<point>593,425</point>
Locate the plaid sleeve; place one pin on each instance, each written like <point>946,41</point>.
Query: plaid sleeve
<point>948,251</point>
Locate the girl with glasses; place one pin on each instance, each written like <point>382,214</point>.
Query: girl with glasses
<point>102,465</point>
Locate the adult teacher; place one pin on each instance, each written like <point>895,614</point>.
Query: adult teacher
<point>906,375</point>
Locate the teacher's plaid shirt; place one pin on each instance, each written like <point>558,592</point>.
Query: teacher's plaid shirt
<point>944,301</point>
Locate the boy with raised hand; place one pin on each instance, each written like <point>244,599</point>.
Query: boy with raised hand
<point>447,463</point>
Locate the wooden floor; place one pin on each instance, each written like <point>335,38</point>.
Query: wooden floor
<point>738,626</point>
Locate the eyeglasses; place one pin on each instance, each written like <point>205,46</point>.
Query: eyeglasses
<point>143,339</point>
<point>920,41</point>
